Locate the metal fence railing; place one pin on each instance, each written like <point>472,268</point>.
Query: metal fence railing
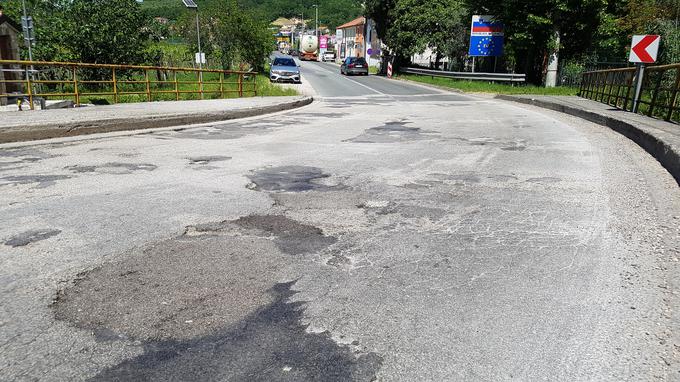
<point>498,77</point>
<point>615,87</point>
<point>119,83</point>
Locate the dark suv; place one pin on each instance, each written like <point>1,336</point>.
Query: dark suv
<point>354,65</point>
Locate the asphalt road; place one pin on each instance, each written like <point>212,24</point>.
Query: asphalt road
<point>326,80</point>
<point>386,232</point>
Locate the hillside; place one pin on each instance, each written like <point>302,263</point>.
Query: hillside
<point>331,12</point>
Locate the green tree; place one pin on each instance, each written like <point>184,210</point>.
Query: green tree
<point>381,12</point>
<point>440,25</point>
<point>50,23</point>
<point>660,17</point>
<point>532,25</point>
<point>107,31</point>
<point>232,36</point>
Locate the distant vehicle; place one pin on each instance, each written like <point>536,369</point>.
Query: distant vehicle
<point>284,69</point>
<point>284,47</point>
<point>354,65</point>
<point>328,56</point>
<point>309,48</point>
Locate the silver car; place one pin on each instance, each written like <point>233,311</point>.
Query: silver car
<point>284,69</point>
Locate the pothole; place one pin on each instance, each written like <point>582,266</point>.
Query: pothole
<point>205,160</point>
<point>544,180</point>
<point>290,236</point>
<point>112,168</point>
<point>32,236</point>
<point>42,181</point>
<point>392,132</point>
<point>289,179</point>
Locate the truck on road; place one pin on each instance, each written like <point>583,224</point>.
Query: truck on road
<point>309,48</point>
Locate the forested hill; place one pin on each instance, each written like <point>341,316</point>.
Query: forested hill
<point>331,12</point>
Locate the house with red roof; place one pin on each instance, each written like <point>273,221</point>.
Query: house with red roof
<point>358,38</point>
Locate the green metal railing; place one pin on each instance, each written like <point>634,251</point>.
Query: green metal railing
<point>33,79</point>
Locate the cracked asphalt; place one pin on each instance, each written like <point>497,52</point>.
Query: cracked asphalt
<point>386,232</point>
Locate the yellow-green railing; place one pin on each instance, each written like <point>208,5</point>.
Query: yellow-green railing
<point>660,96</point>
<point>39,79</point>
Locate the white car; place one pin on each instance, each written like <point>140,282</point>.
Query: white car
<point>328,56</point>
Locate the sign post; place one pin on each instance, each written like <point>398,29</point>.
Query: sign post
<point>486,38</point>
<point>644,50</point>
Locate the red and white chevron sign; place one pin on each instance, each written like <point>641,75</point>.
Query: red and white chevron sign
<point>389,70</point>
<point>644,49</point>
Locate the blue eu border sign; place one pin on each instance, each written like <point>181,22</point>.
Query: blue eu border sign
<point>486,37</point>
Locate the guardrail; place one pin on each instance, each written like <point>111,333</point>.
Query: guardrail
<point>616,87</point>
<point>33,79</point>
<point>498,77</point>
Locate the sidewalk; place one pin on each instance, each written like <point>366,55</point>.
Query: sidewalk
<point>32,125</point>
<point>659,138</point>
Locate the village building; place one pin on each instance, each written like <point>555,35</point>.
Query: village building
<point>358,38</point>
<point>9,50</point>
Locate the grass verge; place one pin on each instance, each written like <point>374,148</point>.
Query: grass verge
<point>267,89</point>
<point>489,87</point>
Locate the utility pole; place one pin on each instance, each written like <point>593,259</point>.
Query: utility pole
<point>302,32</point>
<point>198,34</point>
<point>28,38</point>
<point>27,29</point>
<point>316,27</point>
<point>191,4</point>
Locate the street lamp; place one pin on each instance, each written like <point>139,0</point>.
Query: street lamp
<point>316,24</point>
<point>27,25</point>
<point>192,5</point>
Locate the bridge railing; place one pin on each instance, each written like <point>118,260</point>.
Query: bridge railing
<point>660,90</point>
<point>497,77</point>
<point>119,83</point>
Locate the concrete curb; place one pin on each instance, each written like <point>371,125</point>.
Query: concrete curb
<point>10,134</point>
<point>649,139</point>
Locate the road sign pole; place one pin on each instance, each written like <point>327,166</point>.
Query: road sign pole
<point>639,78</point>
<point>643,50</point>
<point>473,64</point>
<point>29,31</point>
<point>200,55</point>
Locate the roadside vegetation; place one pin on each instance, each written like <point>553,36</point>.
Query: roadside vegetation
<point>490,87</point>
<point>593,34</point>
<point>156,33</point>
